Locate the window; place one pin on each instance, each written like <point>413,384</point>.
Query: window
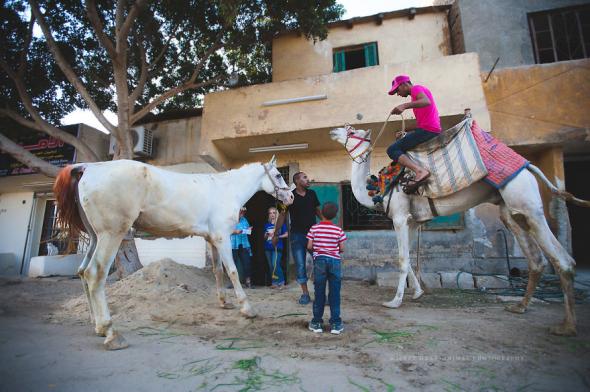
<point>561,34</point>
<point>353,57</point>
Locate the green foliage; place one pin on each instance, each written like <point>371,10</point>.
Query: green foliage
<point>174,34</point>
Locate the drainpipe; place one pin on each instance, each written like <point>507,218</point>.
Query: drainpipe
<point>26,253</point>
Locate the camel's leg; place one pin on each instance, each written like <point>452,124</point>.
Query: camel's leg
<point>96,276</point>
<point>218,271</point>
<point>523,200</point>
<point>224,249</point>
<point>402,229</point>
<point>418,291</point>
<point>535,258</point>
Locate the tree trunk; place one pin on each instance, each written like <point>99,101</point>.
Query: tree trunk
<point>127,259</point>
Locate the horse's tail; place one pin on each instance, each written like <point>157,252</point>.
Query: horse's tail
<point>65,190</point>
<point>558,192</point>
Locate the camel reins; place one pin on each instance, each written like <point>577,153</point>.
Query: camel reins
<point>360,157</point>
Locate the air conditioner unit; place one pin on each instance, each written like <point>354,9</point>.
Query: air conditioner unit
<point>142,140</point>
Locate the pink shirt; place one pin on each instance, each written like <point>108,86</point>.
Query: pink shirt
<point>326,238</point>
<point>426,117</point>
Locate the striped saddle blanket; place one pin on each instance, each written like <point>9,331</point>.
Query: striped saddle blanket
<point>463,155</point>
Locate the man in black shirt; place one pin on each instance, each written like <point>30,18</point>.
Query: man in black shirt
<point>303,213</point>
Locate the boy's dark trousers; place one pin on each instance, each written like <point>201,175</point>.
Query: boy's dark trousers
<point>327,270</point>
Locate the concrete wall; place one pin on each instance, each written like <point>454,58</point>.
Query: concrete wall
<point>97,140</point>
<point>453,80</point>
<point>15,210</point>
<point>177,141</point>
<point>540,104</point>
<point>295,57</point>
<point>499,28</point>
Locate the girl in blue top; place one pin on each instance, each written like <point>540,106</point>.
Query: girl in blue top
<point>273,255</point>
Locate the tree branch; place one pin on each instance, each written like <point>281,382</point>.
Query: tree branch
<point>98,27</point>
<point>217,45</point>
<point>170,93</point>
<point>23,53</point>
<point>123,31</point>
<point>40,123</point>
<point>142,77</point>
<point>23,156</point>
<point>67,69</point>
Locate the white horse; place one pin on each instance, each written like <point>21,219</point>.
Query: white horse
<point>106,199</point>
<point>521,210</point>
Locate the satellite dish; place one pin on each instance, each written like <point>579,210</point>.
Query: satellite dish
<point>359,116</point>
<point>233,79</point>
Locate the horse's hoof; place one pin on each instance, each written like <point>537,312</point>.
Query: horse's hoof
<point>418,294</point>
<point>515,308</point>
<point>248,312</point>
<point>393,304</point>
<point>115,341</point>
<point>563,330</point>
<point>227,305</point>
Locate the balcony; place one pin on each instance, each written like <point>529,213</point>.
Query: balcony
<point>303,110</point>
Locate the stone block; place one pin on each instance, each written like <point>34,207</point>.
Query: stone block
<point>66,265</point>
<point>492,282</point>
<point>449,280</point>
<point>388,278</point>
<point>431,280</point>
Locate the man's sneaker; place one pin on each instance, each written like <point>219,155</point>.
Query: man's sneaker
<point>337,328</point>
<point>304,299</point>
<point>316,327</point>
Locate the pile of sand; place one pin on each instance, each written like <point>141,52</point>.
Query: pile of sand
<point>162,291</point>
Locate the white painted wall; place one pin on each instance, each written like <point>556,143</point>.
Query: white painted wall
<point>189,251</point>
<point>15,210</point>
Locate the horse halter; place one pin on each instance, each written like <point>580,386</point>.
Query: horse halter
<point>359,156</point>
<point>273,182</point>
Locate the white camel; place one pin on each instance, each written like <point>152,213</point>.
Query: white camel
<point>521,210</point>
<point>106,199</point>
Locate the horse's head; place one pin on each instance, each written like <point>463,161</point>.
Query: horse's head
<point>274,184</point>
<point>356,141</point>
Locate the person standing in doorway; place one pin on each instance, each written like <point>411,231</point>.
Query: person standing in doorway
<point>274,253</point>
<point>303,213</point>
<point>241,250</point>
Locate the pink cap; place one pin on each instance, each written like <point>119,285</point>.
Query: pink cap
<point>397,81</point>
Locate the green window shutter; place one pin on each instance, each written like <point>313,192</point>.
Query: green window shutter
<point>370,54</point>
<point>339,63</point>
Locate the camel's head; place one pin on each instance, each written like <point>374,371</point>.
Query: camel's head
<point>274,184</point>
<point>356,141</point>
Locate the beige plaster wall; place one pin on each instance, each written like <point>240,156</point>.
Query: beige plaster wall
<point>177,141</point>
<point>295,57</point>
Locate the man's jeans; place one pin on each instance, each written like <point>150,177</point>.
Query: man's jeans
<point>243,262</point>
<point>327,269</point>
<point>298,248</point>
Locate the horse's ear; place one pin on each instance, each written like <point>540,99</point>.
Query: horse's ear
<point>273,161</point>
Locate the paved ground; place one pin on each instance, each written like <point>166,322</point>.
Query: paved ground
<point>448,340</point>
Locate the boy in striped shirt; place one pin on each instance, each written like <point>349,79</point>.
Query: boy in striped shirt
<point>326,241</point>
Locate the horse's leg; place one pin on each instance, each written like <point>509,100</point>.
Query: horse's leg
<point>218,271</point>
<point>402,229</point>
<point>89,253</point>
<point>96,275</point>
<point>224,249</point>
<point>533,254</point>
<point>522,198</point>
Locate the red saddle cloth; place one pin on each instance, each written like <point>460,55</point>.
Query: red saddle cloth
<point>502,162</point>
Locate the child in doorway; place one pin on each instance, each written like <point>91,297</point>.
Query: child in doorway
<point>274,254</point>
<point>326,241</point>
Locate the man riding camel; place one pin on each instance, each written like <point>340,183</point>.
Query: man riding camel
<point>427,121</point>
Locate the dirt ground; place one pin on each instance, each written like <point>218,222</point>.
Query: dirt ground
<point>181,340</point>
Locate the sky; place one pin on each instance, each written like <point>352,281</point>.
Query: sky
<point>353,8</point>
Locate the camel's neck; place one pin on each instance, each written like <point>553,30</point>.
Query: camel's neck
<point>358,182</point>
